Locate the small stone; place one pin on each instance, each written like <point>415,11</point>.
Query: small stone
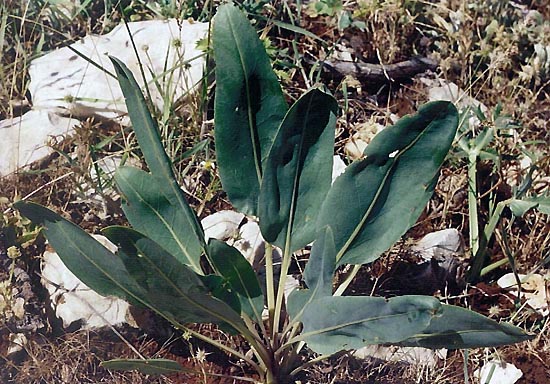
<point>533,288</point>
<point>19,308</point>
<point>222,225</point>
<point>439,245</point>
<point>73,301</point>
<point>338,167</point>
<point>499,373</point>
<point>409,355</point>
<point>17,343</point>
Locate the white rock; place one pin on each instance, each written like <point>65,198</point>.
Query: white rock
<point>291,284</point>
<point>18,341</point>
<point>251,243</point>
<point>409,355</point>
<point>439,245</point>
<point>72,300</point>
<point>64,82</point>
<point>499,373</point>
<point>338,167</point>
<point>24,138</point>
<point>533,288</point>
<point>355,147</point>
<point>222,225</point>
<point>449,91</point>
<point>365,132</point>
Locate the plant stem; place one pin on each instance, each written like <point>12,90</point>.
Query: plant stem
<point>465,367</point>
<point>349,278</point>
<point>269,276</point>
<point>493,266</point>
<point>287,256</point>
<point>472,203</point>
<point>264,356</point>
<point>495,217</point>
<point>309,363</point>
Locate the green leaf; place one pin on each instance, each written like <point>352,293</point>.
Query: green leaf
<point>297,173</point>
<point>319,270</point>
<point>336,323</point>
<point>171,286</point>
<point>89,260</point>
<point>457,327</point>
<point>520,206</point>
<point>153,209</point>
<point>148,367</point>
<point>150,143</point>
<point>318,275</point>
<point>221,289</point>
<point>237,271</point>
<point>145,127</point>
<point>377,199</point>
<point>248,107</point>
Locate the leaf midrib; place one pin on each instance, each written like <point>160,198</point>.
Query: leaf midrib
<point>394,160</point>
<point>195,265</point>
<point>256,151</point>
<point>355,322</point>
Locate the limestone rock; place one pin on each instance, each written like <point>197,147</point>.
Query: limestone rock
<point>24,138</point>
<point>533,288</point>
<point>338,167</point>
<point>222,225</point>
<point>66,83</point>
<point>73,301</point>
<point>439,245</point>
<point>499,373</point>
<point>409,355</point>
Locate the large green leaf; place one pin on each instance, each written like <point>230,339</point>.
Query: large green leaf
<point>297,172</point>
<point>171,286</point>
<point>249,107</point>
<point>520,206</point>
<point>377,199</point>
<point>457,327</point>
<point>335,323</point>
<point>150,143</point>
<point>229,263</point>
<point>318,275</point>
<point>154,210</point>
<point>84,256</point>
<point>148,367</point>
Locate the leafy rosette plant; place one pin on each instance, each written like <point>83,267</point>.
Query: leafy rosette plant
<point>275,163</point>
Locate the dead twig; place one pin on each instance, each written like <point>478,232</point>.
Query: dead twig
<point>381,73</point>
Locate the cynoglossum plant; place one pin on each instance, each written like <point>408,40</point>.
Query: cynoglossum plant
<point>275,163</point>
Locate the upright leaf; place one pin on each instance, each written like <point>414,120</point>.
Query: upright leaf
<point>150,143</point>
<point>377,199</point>
<point>171,286</point>
<point>229,263</point>
<point>457,327</point>
<point>154,210</point>
<point>249,106</point>
<point>298,171</point>
<point>336,323</point>
<point>318,275</point>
